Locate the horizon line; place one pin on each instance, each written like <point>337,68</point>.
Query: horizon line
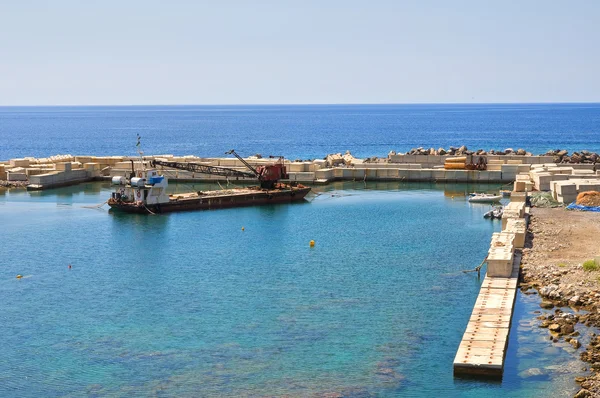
<point>310,104</point>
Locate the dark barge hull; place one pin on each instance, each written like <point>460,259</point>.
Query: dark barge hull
<point>250,197</point>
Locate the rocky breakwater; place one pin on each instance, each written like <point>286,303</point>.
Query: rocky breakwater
<point>559,155</point>
<point>562,156</point>
<point>463,150</point>
<point>558,265</point>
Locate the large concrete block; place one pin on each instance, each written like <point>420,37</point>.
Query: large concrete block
<point>565,188</point>
<point>438,174</point>
<point>495,175</point>
<point>63,166</point>
<point>583,186</point>
<point>518,197</point>
<point>324,174</point>
<point>500,263</point>
<point>403,174</point>
<point>461,175</point>
<point>16,176</point>
<point>566,198</point>
<point>519,229</point>
<point>19,163</point>
<point>296,167</point>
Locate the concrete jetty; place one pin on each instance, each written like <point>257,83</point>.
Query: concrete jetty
<point>482,350</point>
<point>527,172</point>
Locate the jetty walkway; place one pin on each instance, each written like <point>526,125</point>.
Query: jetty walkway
<point>482,350</point>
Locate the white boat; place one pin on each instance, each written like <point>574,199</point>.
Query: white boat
<point>484,198</point>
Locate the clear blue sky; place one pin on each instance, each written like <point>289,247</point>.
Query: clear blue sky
<point>271,52</point>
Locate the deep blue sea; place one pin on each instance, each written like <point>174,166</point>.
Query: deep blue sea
<point>191,304</point>
<point>295,131</point>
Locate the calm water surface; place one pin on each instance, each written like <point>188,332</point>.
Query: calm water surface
<point>188,304</point>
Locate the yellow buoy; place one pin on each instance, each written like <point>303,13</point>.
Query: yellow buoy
<point>312,243</point>
<point>243,229</point>
<point>19,276</point>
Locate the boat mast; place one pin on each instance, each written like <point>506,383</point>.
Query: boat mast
<point>140,152</point>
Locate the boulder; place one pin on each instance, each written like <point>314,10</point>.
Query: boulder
<point>574,301</point>
<point>567,328</point>
<point>575,343</point>
<point>441,151</point>
<point>583,393</point>
<point>508,151</point>
<point>555,327</point>
<point>546,304</point>
<point>521,152</point>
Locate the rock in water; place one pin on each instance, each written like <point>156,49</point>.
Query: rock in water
<point>555,327</point>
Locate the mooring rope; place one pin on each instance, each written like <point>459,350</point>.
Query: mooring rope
<point>149,211</point>
<point>96,206</point>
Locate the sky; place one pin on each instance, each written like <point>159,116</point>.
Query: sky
<point>151,52</point>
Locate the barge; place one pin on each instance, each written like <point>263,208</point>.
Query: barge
<point>145,191</point>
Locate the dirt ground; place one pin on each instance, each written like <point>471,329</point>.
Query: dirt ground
<point>558,243</point>
<point>562,240</point>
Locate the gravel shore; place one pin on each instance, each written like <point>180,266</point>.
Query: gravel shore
<point>558,243</point>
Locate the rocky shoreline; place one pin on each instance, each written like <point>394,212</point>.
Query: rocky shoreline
<point>558,243</point>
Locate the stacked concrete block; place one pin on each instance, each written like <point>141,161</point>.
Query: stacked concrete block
<point>32,171</point>
<point>517,205</point>
<point>16,174</point>
<point>495,165</point>
<point>518,197</point>
<point>565,191</point>
<point>541,180</point>
<point>19,163</point>
<point>587,185</point>
<point>324,174</point>
<point>508,214</point>
<point>517,227</point>
<point>500,254</point>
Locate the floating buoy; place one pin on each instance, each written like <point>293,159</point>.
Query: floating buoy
<point>243,229</point>
<point>69,266</point>
<point>312,243</point>
<point>19,276</point>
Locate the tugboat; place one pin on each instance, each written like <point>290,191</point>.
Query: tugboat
<point>145,191</point>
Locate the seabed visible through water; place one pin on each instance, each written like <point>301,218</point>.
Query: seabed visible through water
<point>189,303</point>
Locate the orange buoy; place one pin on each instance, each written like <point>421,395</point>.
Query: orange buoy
<point>312,243</point>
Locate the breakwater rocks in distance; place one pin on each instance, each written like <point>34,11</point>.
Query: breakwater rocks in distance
<point>560,155</point>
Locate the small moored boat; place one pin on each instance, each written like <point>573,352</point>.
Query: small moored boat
<point>484,198</point>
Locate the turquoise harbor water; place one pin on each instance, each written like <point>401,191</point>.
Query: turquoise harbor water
<point>188,304</point>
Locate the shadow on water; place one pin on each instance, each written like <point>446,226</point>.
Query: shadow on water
<point>144,220</point>
<point>456,189</point>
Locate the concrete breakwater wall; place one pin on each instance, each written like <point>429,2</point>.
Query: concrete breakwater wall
<point>42,173</point>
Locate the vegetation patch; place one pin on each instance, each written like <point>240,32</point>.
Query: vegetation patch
<point>590,265</point>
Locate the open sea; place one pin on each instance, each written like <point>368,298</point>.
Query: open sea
<point>295,131</point>
<point>190,304</point>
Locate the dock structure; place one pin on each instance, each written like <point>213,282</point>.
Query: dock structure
<point>482,350</point>
<point>483,346</point>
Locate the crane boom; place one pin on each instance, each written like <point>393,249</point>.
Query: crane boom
<point>204,169</point>
<point>241,159</point>
<point>268,175</point>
